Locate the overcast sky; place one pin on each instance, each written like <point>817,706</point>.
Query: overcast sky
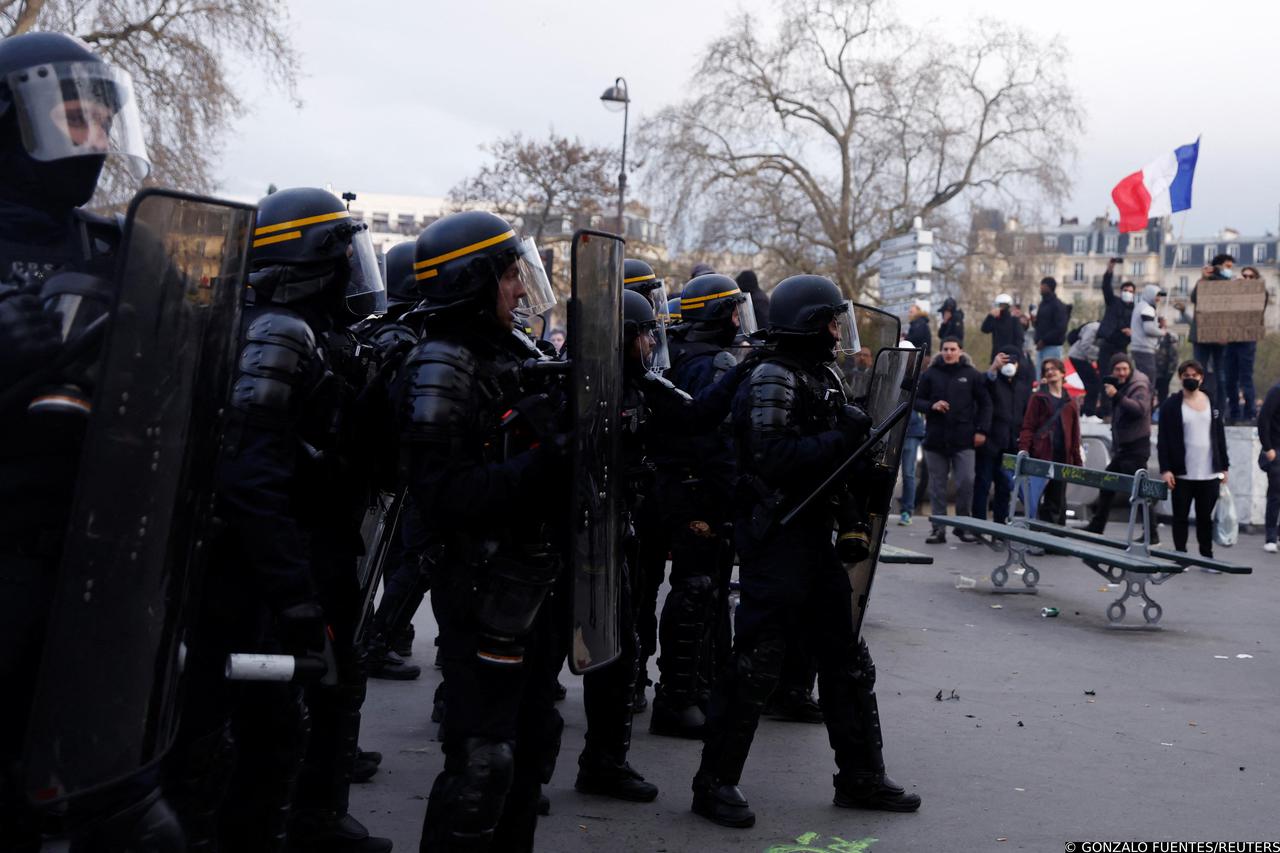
<point>398,96</point>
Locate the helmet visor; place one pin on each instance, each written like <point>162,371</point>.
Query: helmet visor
<point>366,292</point>
<point>539,296</point>
<point>658,359</point>
<point>658,298</point>
<point>747,324</point>
<point>74,109</point>
<point>847,343</point>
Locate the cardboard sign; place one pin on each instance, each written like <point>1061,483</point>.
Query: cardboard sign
<point>1229,311</point>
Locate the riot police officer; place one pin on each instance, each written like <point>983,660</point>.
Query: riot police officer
<point>696,478</point>
<point>483,456</point>
<point>793,428</point>
<point>290,499</point>
<point>63,112</point>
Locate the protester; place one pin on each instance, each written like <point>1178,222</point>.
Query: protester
<point>1238,361</point>
<point>1145,332</point>
<point>1113,332</point>
<point>1004,324</point>
<point>1008,382</point>
<point>749,284</point>
<point>918,326</point>
<point>1269,436</point>
<point>953,397</point>
<point>1051,322</point>
<point>1130,394</point>
<point>910,450</point>
<point>1210,353</point>
<point>952,325</point>
<point>1083,353</point>
<point>557,338</point>
<point>1050,431</point>
<point>1192,449</point>
<point>1166,360</point>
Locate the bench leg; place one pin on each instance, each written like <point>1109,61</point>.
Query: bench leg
<point>1016,553</point>
<point>1135,586</point>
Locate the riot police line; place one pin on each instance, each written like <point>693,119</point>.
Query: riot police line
<point>226,428</point>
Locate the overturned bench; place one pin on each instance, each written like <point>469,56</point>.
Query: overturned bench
<point>1129,562</point>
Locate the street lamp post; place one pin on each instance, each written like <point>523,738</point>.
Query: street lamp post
<point>614,98</point>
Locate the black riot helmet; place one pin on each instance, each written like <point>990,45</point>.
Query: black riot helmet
<point>637,275</point>
<point>639,320</point>
<point>801,309</point>
<point>305,244</point>
<point>460,258</point>
<point>400,284</point>
<point>674,317</point>
<point>63,111</point>
<point>707,307</point>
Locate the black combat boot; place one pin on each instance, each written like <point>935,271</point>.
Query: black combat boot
<point>722,804</point>
<point>875,791</point>
<point>604,776</point>
<point>391,667</point>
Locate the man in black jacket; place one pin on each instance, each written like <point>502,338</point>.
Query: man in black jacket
<point>1113,333</point>
<point>1009,384</point>
<point>957,406</point>
<point>1051,322</point>
<point>1269,435</point>
<point>1004,324</point>
<point>952,325</point>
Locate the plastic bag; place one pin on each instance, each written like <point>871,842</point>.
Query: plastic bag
<point>1226,524</point>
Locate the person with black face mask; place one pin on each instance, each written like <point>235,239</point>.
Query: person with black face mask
<point>793,427</point>
<point>1192,449</point>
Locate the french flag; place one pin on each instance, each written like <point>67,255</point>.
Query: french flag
<point>1161,188</point>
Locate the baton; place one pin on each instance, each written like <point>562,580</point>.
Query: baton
<point>876,436</point>
<point>253,667</point>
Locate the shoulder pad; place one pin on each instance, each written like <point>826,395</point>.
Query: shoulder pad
<point>390,334</point>
<point>661,384</point>
<point>774,388</point>
<point>277,356</point>
<point>439,376</point>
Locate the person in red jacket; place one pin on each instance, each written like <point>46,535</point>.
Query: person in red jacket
<point>1050,431</point>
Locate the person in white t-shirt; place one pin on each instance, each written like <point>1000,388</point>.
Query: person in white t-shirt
<point>1192,449</point>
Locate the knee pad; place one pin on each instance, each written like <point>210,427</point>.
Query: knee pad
<point>691,595</point>
<point>757,670</point>
<point>476,799</point>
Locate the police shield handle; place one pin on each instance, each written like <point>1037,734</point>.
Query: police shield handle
<point>877,435</point>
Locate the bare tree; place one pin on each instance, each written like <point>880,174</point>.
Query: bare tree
<point>813,145</point>
<point>180,53</point>
<point>538,181</point>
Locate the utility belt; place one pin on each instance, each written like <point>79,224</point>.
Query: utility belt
<point>506,594</point>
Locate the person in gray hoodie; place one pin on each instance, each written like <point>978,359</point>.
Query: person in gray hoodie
<point>1130,393</point>
<point>1145,331</point>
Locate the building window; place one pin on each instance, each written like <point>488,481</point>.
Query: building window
<point>406,224</point>
<point>1110,243</point>
<point>1019,270</point>
<point>1259,252</point>
<point>1078,273</point>
<point>1079,245</point>
<point>381,221</point>
<point>357,215</point>
<point>1138,242</point>
<point>1050,241</point>
<point>1184,255</point>
<point>1234,250</point>
<point>1209,251</point>
<point>1018,243</point>
<point>1046,268</point>
<point>1139,268</point>
<point>1183,284</point>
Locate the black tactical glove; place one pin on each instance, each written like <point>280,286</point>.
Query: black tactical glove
<point>541,414</point>
<point>29,337</point>
<point>303,630</point>
<point>854,422</point>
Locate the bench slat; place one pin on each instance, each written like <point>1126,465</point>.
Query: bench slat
<point>1108,481</point>
<point>1172,556</point>
<point>1058,544</point>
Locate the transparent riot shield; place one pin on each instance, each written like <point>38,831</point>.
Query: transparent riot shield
<point>892,384</point>
<point>596,502</point>
<point>105,700</point>
<point>877,330</point>
<point>379,531</point>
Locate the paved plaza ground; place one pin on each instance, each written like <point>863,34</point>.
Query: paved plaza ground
<point>1060,729</point>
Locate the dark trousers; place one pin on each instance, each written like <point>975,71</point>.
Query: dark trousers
<point>1053,503</point>
<point>1204,494</point>
<point>1239,380</point>
<point>1092,386</point>
<point>607,693</point>
<point>1213,357</point>
<point>988,471</point>
<point>1272,517</point>
<point>1126,461</point>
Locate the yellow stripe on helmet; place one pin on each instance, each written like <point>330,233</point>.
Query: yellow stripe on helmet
<point>298,223</point>
<point>278,238</point>
<point>634,279</point>
<point>426,274</point>
<point>700,301</point>
<point>465,250</point>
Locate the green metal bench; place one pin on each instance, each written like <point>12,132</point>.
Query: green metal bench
<point>1128,563</point>
<point>1179,557</point>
